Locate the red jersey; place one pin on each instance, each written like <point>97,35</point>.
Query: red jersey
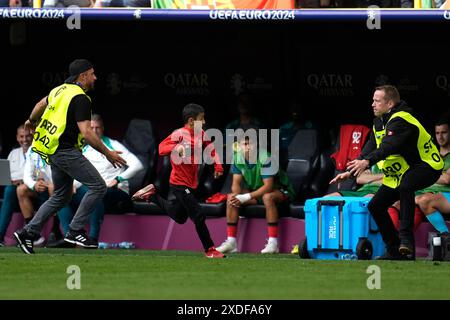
<point>352,139</point>
<point>186,172</point>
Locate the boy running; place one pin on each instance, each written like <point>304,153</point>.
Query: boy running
<point>180,145</point>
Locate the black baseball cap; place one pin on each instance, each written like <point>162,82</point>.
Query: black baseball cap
<point>76,67</point>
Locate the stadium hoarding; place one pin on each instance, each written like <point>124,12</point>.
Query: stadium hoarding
<point>296,15</point>
<point>222,4</point>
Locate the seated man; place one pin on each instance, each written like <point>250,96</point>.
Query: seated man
<point>370,180</point>
<point>434,200</point>
<point>16,159</point>
<point>115,178</point>
<point>262,185</point>
<point>35,190</point>
<point>430,200</point>
<point>433,205</point>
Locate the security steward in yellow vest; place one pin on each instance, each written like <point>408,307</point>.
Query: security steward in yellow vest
<point>61,122</point>
<point>410,161</point>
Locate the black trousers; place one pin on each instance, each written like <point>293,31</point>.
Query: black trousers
<point>416,178</point>
<point>186,205</point>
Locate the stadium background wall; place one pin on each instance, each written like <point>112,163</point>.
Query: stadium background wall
<point>151,69</point>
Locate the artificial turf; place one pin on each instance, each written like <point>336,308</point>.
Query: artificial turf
<point>142,274</point>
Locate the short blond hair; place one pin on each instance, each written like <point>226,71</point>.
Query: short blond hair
<point>390,93</point>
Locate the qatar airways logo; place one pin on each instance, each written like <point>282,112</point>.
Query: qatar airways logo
<point>209,146</point>
<point>188,83</point>
<point>331,84</point>
<point>443,83</point>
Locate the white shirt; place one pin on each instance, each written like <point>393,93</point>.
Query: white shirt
<point>35,169</point>
<point>17,163</point>
<point>107,170</point>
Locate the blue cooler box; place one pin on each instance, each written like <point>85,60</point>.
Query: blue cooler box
<point>340,228</point>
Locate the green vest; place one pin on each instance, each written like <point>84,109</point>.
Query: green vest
<point>253,177</point>
<point>53,122</point>
<point>395,166</point>
<point>446,162</point>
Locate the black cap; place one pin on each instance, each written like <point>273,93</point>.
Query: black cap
<point>76,67</point>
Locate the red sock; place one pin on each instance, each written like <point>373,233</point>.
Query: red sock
<point>273,231</point>
<point>418,218</point>
<point>393,212</point>
<point>231,231</point>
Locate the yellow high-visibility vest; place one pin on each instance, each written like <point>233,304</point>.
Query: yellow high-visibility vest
<point>395,166</point>
<point>53,122</point>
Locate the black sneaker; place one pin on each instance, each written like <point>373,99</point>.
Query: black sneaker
<point>80,238</point>
<point>390,254</point>
<point>60,244</point>
<point>394,254</point>
<point>25,241</point>
<point>406,248</point>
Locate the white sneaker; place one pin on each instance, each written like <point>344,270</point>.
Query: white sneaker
<point>271,247</point>
<point>228,246</point>
<point>39,242</point>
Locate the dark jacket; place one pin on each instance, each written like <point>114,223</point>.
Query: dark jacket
<point>401,138</point>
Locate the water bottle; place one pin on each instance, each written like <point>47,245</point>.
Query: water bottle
<point>346,256</point>
<point>127,245</point>
<point>103,245</point>
<point>437,249</point>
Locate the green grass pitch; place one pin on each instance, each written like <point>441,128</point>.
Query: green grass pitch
<point>142,274</point>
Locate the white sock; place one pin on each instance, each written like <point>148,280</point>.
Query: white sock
<point>231,239</point>
<point>273,240</point>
